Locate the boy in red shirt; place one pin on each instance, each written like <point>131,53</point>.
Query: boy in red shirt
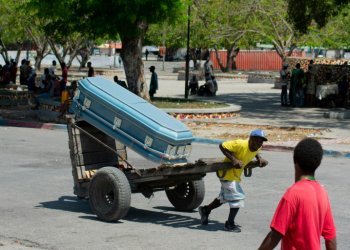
<point>304,213</point>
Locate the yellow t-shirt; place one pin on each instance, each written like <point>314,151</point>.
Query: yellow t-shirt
<point>240,150</point>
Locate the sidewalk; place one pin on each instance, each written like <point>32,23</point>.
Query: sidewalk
<point>260,106</point>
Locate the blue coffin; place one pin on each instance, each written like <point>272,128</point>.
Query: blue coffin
<point>133,121</point>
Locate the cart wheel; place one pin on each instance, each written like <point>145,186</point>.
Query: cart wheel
<point>110,194</point>
<point>187,196</point>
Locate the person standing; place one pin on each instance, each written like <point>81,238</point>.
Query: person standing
<point>91,71</point>
<point>310,86</point>
<point>239,153</point>
<point>52,69</point>
<point>153,86</point>
<point>208,67</point>
<point>284,74</point>
<point>296,91</point>
<point>64,79</point>
<point>13,71</point>
<point>23,77</point>
<point>304,213</point>
<point>146,53</point>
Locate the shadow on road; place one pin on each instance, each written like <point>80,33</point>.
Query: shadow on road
<point>68,203</point>
<point>166,216</point>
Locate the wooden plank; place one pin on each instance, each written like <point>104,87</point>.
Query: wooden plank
<point>201,166</point>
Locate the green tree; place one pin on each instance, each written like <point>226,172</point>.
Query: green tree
<point>63,28</point>
<point>334,35</point>
<point>11,30</point>
<point>270,21</point>
<point>302,13</point>
<point>127,18</point>
<point>222,24</point>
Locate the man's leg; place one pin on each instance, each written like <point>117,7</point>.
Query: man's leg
<point>230,223</point>
<point>204,211</point>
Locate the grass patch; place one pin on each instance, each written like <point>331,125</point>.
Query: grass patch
<point>179,103</point>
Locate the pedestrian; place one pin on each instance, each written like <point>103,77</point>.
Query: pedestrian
<point>239,153</point>
<point>153,86</point>
<point>91,71</point>
<point>304,213</point>
<point>23,77</point>
<point>52,69</point>
<point>296,91</point>
<point>13,71</point>
<point>64,78</point>
<point>284,74</point>
<point>208,67</point>
<point>310,86</point>
<point>146,53</point>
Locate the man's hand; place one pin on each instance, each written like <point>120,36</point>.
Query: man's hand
<point>262,162</point>
<point>237,164</point>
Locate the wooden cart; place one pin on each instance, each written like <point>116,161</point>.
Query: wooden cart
<point>102,174</point>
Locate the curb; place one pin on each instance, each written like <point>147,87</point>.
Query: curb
<point>54,126</point>
<point>18,123</point>
<point>277,148</point>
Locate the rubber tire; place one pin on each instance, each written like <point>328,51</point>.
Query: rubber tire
<point>187,196</point>
<point>110,194</point>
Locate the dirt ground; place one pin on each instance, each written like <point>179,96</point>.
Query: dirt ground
<point>274,134</point>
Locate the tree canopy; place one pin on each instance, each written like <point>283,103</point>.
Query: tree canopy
<point>302,12</point>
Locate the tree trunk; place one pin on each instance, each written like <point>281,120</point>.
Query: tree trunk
<point>55,51</point>
<point>38,59</point>
<point>234,57</point>
<point>231,58</point>
<point>133,66</point>
<point>222,67</point>
<point>4,51</point>
<point>18,53</point>
<point>41,52</point>
<point>85,56</point>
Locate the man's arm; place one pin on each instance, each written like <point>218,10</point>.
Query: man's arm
<point>331,244</point>
<point>271,240</point>
<point>235,162</point>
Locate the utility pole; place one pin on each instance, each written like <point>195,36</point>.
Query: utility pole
<point>187,53</point>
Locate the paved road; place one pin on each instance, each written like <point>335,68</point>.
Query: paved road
<point>38,210</point>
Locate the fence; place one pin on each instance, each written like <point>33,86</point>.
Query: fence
<point>253,59</point>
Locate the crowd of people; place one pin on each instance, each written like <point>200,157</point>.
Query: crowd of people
<point>8,72</point>
<point>303,87</point>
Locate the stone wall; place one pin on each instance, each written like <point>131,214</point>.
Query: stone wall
<point>12,95</point>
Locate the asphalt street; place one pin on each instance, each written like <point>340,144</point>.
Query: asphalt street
<point>39,211</point>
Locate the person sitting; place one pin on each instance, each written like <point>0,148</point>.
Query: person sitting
<point>193,85</point>
<point>121,83</point>
<point>208,88</point>
<point>43,88</point>
<point>45,83</point>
